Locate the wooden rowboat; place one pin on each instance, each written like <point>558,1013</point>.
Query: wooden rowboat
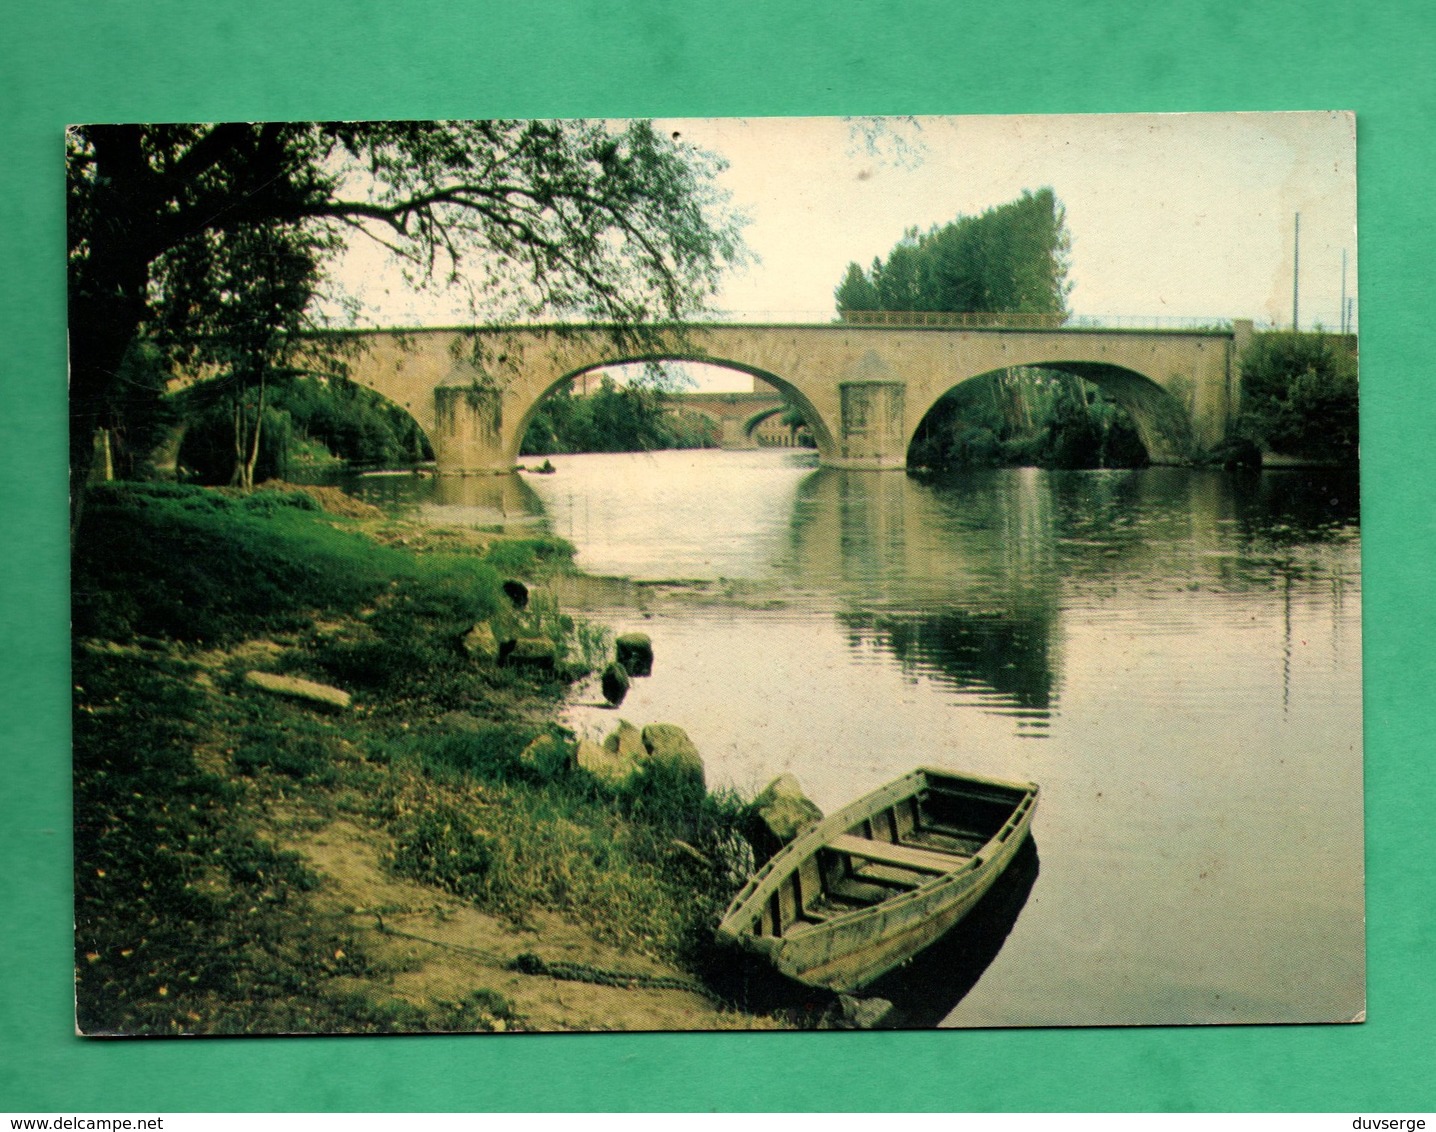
<point>870,886</point>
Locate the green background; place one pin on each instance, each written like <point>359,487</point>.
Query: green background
<point>155,60</point>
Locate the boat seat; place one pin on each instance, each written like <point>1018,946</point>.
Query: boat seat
<point>944,839</point>
<point>886,853</point>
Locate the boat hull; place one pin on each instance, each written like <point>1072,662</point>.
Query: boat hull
<point>804,914</point>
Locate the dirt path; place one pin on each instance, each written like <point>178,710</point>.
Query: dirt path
<point>446,949</point>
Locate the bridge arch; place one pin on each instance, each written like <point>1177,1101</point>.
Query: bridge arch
<point>755,422</point>
<point>820,430</point>
<point>758,419</point>
<point>1163,422</point>
<point>192,400</point>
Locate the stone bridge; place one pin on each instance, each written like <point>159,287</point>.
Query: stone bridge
<point>737,415</point>
<point>863,389</point>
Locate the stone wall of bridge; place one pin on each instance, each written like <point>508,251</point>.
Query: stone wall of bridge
<point>864,390</point>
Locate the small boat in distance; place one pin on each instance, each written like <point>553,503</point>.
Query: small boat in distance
<point>870,886</point>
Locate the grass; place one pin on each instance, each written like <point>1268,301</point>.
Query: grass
<point>188,564</point>
<point>182,909</point>
<point>648,865</point>
<point>198,566</point>
<point>191,915</point>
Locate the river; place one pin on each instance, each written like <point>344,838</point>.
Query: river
<point>1174,655</point>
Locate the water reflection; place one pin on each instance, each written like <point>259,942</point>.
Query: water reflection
<point>894,541</point>
<point>480,501</point>
<point>1186,642</point>
<point>966,578</point>
<point>1006,654</point>
<point>1297,505</point>
<point>929,987</point>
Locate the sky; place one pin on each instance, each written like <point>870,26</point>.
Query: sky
<point>1189,216</point>
<point>1170,214</point>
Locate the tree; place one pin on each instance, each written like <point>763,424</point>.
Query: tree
<point>1011,259</point>
<point>638,416</point>
<point>235,303</point>
<point>1299,396</point>
<point>574,219</point>
<point>856,292</point>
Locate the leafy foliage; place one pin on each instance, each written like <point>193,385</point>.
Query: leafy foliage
<point>215,238</point>
<point>355,424</point>
<point>857,291</point>
<point>142,378</point>
<point>306,419</point>
<point>1027,416</point>
<point>235,301</point>
<point>209,453</point>
<point>1300,397</point>
<point>630,418</point>
<point>1011,258</point>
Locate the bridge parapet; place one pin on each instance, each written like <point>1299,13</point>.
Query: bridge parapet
<point>1018,320</point>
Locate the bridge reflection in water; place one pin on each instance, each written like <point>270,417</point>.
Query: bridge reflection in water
<point>952,585</point>
<point>960,580</point>
<point>964,579</point>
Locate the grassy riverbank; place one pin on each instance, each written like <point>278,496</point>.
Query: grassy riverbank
<point>428,858</point>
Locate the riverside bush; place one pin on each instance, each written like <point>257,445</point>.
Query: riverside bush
<point>511,849</point>
<point>1026,418</point>
<point>636,417</point>
<point>306,420</point>
<point>649,864</point>
<point>1300,396</point>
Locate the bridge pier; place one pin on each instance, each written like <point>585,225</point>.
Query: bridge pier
<point>734,435</point>
<point>872,432</point>
<point>468,430</point>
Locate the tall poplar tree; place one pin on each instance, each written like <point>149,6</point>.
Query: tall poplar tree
<point>1012,259</point>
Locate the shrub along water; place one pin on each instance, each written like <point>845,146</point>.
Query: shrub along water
<point>1299,396</point>
<point>307,420</point>
<point>636,417</point>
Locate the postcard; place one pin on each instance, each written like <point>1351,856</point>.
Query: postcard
<point>787,574</point>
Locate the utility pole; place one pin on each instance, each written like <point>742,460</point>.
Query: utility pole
<point>1296,277</point>
<point>1342,319</point>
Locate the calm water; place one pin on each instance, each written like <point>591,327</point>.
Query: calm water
<point>1174,655</point>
